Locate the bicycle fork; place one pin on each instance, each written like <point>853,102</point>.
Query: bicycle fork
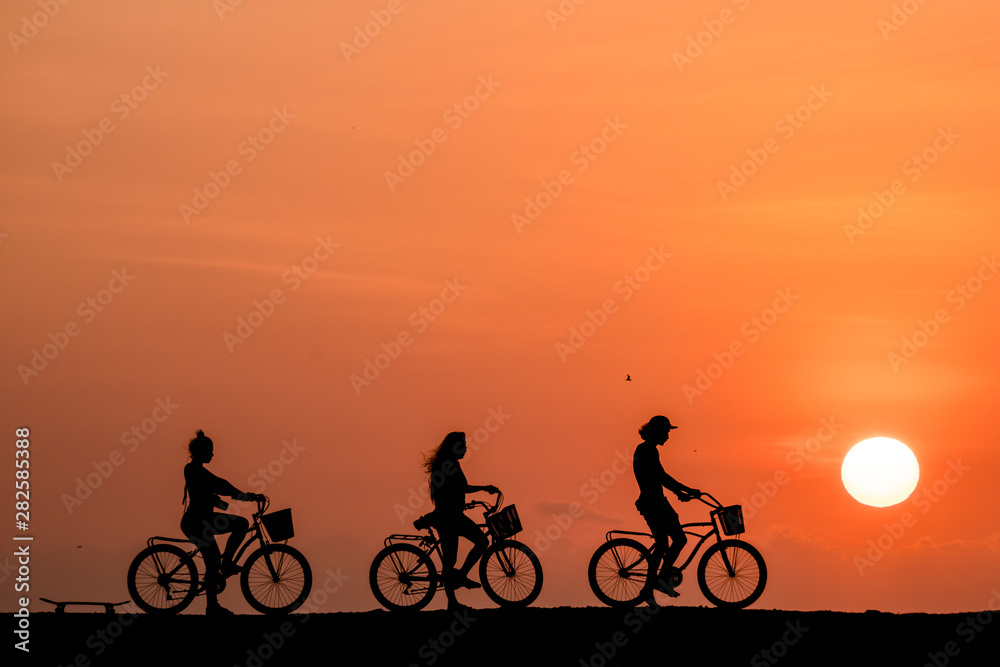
<point>730,567</point>
<point>271,569</point>
<point>506,563</point>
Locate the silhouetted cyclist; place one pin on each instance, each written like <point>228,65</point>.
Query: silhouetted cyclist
<point>653,505</point>
<point>201,523</point>
<point>448,487</point>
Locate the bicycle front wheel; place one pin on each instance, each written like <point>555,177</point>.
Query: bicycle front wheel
<point>403,578</point>
<point>732,574</point>
<point>511,574</point>
<point>619,572</point>
<point>276,579</point>
<point>162,579</point>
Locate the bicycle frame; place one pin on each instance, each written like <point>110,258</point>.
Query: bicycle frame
<point>254,534</point>
<point>431,542</point>
<point>702,537</point>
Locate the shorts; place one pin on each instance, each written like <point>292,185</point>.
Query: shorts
<point>662,519</point>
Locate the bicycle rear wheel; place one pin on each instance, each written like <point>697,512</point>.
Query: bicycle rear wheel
<point>276,579</point>
<point>619,572</point>
<point>732,574</point>
<point>511,574</point>
<point>403,578</point>
<point>162,579</point>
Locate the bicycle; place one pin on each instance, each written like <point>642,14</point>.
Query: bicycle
<point>403,576</point>
<point>275,578</point>
<point>731,573</point>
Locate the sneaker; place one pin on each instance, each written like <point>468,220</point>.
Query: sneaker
<point>217,610</point>
<point>666,588</point>
<point>465,582</point>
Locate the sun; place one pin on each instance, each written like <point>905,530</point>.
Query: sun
<point>880,472</point>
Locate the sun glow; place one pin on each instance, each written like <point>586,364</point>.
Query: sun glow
<point>880,472</point>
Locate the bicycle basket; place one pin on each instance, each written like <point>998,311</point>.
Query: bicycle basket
<point>731,518</point>
<point>505,523</point>
<point>279,525</point>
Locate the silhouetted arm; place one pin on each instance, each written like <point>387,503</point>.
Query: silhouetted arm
<point>673,485</point>
<point>489,487</point>
<point>224,488</point>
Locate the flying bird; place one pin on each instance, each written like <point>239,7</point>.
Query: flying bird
<point>628,378</point>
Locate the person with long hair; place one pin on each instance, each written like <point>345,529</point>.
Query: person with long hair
<point>653,505</point>
<point>448,487</point>
<point>201,523</point>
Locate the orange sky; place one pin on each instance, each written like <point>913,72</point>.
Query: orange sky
<point>182,169</point>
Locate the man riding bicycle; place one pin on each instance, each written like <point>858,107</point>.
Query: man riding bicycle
<point>652,504</point>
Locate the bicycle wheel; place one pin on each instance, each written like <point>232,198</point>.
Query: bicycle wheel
<point>511,574</point>
<point>276,579</point>
<point>619,572</point>
<point>162,579</point>
<point>403,577</point>
<point>732,574</point>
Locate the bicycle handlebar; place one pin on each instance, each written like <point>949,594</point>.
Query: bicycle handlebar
<point>713,502</point>
<point>487,507</point>
<point>262,504</point>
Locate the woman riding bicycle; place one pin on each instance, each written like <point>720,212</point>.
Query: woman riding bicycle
<point>448,487</point>
<point>201,523</point>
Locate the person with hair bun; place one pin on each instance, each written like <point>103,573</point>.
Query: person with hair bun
<point>201,523</point>
<point>653,505</point>
<point>448,487</point>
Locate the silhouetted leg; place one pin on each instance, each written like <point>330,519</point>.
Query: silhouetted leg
<point>656,555</point>
<point>210,552</point>
<point>195,530</point>
<point>237,529</point>
<point>468,529</point>
<point>665,526</point>
<point>202,532</point>
<point>448,540</point>
<point>677,541</point>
